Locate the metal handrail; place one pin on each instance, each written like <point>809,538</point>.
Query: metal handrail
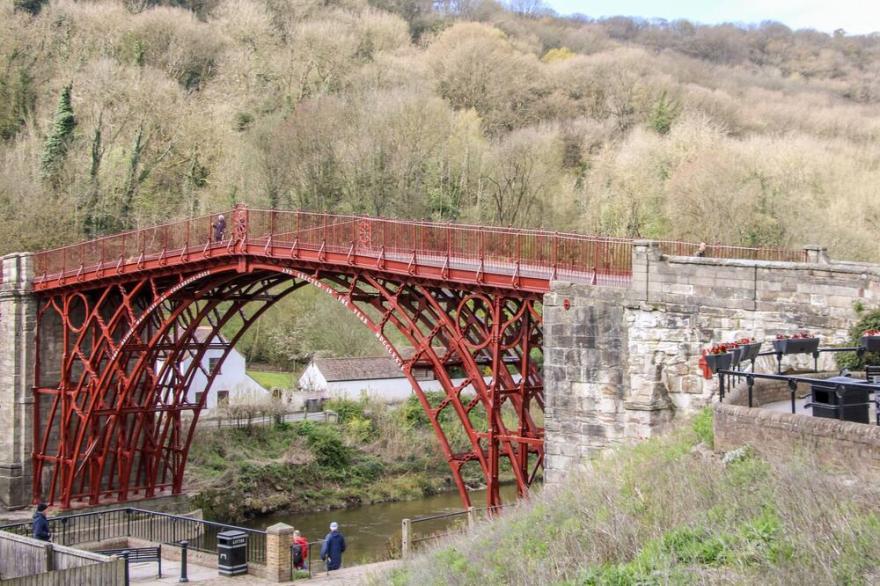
<point>555,252</point>
<point>139,523</point>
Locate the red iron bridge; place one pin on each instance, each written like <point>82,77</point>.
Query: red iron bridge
<point>117,320</point>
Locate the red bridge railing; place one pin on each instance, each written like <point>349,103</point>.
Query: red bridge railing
<point>550,255</point>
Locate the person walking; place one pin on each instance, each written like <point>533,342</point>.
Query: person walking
<point>219,228</point>
<point>300,551</point>
<point>332,548</point>
<point>40,523</point>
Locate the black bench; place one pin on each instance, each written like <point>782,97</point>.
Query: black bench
<point>138,554</point>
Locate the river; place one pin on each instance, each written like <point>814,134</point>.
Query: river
<point>369,529</point>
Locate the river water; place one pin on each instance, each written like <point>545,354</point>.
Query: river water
<point>369,529</point>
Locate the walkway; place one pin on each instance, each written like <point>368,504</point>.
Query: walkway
<point>145,575</point>
<point>353,575</point>
<point>785,406</point>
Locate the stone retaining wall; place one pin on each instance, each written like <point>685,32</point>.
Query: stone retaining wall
<point>619,364</point>
<point>845,445</point>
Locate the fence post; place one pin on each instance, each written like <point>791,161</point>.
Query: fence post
<point>472,517</point>
<point>183,545</point>
<point>50,557</point>
<point>125,557</point>
<point>405,536</point>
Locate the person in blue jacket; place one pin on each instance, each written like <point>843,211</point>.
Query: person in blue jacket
<point>332,548</point>
<point>40,523</point>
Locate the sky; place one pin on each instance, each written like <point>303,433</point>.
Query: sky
<point>854,16</point>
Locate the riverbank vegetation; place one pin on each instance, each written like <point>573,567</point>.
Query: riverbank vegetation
<point>669,511</point>
<point>375,453</point>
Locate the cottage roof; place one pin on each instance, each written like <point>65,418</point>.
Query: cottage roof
<point>202,333</point>
<point>364,368</point>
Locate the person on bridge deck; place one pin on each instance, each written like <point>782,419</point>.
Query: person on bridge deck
<point>40,524</point>
<point>332,548</point>
<point>701,250</point>
<point>219,228</point>
<point>301,555</point>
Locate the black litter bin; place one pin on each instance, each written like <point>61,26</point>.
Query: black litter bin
<point>232,552</point>
<point>851,404</point>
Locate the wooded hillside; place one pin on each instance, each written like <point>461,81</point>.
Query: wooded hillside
<point>117,113</point>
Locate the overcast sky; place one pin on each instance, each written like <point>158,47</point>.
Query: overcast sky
<point>854,16</point>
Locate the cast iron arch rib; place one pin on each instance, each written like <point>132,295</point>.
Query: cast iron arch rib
<point>111,428</point>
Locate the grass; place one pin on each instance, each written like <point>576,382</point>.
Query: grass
<point>663,512</point>
<point>271,379</point>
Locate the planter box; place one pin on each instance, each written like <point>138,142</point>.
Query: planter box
<point>751,350</point>
<point>717,362</point>
<point>796,345</point>
<point>736,355</point>
<point>871,343</point>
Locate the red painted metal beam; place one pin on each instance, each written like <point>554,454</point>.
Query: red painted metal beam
<point>112,428</point>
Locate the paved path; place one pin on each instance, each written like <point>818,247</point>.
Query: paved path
<point>346,576</point>
<point>785,406</point>
<point>144,574</point>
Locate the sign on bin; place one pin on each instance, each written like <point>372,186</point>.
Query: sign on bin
<point>232,552</point>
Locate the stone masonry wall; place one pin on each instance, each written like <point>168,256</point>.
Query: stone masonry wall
<point>17,319</point>
<point>619,364</point>
<point>854,447</point>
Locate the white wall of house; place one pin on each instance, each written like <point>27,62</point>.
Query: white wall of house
<point>387,390</point>
<point>231,384</point>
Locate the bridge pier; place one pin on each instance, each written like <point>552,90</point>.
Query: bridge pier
<point>621,363</point>
<point>18,309</point>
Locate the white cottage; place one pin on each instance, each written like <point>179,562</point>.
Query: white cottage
<point>352,378</point>
<point>231,385</point>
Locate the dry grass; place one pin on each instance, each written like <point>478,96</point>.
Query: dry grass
<point>664,512</point>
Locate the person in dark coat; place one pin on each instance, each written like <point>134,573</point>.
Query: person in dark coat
<point>219,228</point>
<point>41,523</point>
<point>332,548</point>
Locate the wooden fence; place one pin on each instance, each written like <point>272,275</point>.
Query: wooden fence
<point>25,561</point>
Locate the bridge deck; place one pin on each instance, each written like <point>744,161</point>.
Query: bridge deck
<point>467,254</point>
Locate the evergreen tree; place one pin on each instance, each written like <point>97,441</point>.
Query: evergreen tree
<point>664,114</point>
<point>55,150</point>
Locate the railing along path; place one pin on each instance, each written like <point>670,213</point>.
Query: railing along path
<point>97,526</point>
<point>449,250</point>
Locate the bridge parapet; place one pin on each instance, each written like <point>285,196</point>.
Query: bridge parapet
<point>619,364</point>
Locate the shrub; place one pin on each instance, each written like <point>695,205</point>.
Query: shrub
<point>326,443</point>
<point>360,429</point>
<point>851,360</point>
<point>347,409</point>
<point>32,7</point>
